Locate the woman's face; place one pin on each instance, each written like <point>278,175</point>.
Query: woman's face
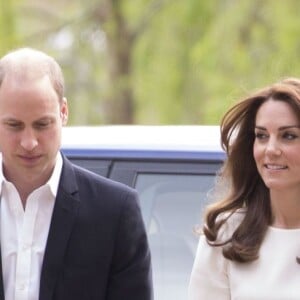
<point>276,146</point>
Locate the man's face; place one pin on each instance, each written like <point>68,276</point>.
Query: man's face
<point>31,120</point>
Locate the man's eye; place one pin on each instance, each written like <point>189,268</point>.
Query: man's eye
<point>42,125</point>
<point>14,125</point>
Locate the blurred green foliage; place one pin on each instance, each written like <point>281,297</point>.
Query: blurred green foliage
<point>158,61</point>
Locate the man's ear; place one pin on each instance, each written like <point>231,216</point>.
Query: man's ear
<point>64,111</point>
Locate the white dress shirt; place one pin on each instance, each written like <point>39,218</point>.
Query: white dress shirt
<point>23,235</point>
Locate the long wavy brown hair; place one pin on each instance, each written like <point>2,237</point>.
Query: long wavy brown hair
<point>244,187</point>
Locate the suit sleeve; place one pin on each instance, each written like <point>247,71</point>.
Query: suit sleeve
<point>209,278</point>
<point>130,276</point>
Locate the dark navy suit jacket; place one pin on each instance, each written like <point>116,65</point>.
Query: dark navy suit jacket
<point>97,247</point>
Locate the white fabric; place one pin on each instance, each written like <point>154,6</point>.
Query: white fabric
<point>274,276</point>
<point>24,235</point>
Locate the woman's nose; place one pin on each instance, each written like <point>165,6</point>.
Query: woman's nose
<point>273,148</point>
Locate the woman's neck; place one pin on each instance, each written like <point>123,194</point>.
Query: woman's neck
<point>285,209</point>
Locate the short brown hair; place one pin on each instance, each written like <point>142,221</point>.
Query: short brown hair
<point>28,63</point>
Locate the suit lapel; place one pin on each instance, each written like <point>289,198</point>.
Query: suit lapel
<point>64,213</point>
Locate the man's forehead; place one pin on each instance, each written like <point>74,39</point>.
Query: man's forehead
<point>16,80</point>
<point>23,57</point>
<point>23,66</point>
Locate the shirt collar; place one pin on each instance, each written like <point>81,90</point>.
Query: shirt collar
<point>2,179</point>
<point>53,181</point>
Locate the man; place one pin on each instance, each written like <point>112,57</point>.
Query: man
<point>66,233</point>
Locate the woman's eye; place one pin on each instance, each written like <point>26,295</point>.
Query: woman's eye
<point>260,135</point>
<point>289,136</point>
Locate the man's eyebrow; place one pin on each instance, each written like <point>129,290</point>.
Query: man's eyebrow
<point>45,118</point>
<point>10,119</point>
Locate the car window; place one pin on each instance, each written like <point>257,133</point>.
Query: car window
<point>100,167</point>
<point>172,205</point>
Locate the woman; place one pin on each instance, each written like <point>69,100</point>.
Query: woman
<point>251,239</point>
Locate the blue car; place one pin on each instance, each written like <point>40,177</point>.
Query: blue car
<point>173,168</point>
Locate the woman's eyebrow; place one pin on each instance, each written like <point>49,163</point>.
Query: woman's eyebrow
<point>289,127</point>
<point>280,128</point>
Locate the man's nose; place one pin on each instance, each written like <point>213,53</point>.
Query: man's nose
<point>28,140</point>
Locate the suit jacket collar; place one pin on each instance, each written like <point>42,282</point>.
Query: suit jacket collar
<point>1,280</point>
<point>64,213</point>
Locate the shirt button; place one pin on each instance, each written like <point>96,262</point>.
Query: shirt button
<point>22,287</point>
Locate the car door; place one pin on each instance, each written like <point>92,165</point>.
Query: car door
<point>173,196</point>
